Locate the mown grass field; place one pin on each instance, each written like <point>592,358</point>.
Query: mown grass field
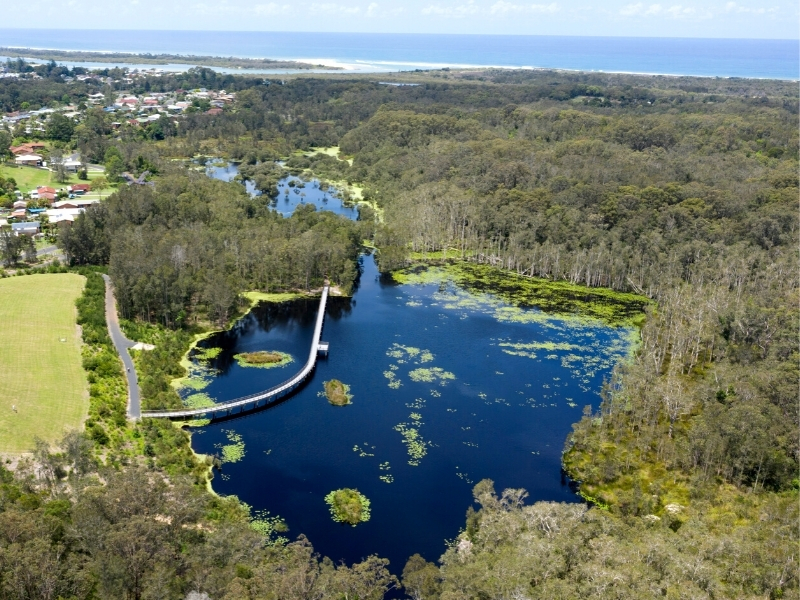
<point>29,178</point>
<point>39,373</point>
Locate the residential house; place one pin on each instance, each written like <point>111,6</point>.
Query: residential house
<point>31,160</point>
<point>63,214</point>
<point>127,102</point>
<point>28,148</point>
<point>79,188</point>
<point>27,228</point>
<point>72,164</point>
<point>74,203</point>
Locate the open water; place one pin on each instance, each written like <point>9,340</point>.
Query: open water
<point>449,387</point>
<point>290,195</point>
<point>380,53</point>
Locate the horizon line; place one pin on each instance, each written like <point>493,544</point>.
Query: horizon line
<point>537,35</point>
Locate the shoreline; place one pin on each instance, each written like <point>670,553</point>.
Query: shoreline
<point>160,59</point>
<point>313,65</point>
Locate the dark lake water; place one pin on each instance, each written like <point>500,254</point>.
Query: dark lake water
<point>290,196</point>
<point>448,388</point>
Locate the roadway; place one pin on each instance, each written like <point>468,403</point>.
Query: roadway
<point>121,343</point>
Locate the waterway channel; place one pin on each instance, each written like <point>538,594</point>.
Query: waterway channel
<point>293,191</point>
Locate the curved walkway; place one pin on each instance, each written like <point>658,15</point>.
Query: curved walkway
<point>121,343</point>
<point>267,397</point>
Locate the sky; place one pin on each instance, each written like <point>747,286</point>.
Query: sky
<point>776,19</point>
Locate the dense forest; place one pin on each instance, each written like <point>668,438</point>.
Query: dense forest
<point>681,189</point>
<point>186,248</point>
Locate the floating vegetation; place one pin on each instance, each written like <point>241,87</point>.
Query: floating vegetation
<point>362,452</point>
<point>556,297</point>
<point>577,317</point>
<point>463,476</point>
<point>415,355</point>
<point>394,382</point>
<point>263,359</point>
<point>269,527</point>
<point>348,506</point>
<point>233,452</point>
<point>470,444</point>
<point>388,477</point>
<point>206,354</point>
<point>418,403</point>
<point>436,393</point>
<point>201,400</point>
<point>337,393</point>
<point>416,446</point>
<point>429,375</point>
<point>198,379</point>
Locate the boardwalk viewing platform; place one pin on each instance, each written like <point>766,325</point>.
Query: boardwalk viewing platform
<point>260,399</point>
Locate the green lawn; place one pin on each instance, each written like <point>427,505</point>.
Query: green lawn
<point>29,178</point>
<point>39,373</point>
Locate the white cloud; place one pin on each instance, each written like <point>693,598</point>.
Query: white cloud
<point>503,8</point>
<point>462,10</point>
<point>372,9</point>
<point>676,11</point>
<point>733,7</point>
<point>331,8</point>
<point>631,10</point>
<point>499,8</point>
<point>272,9</point>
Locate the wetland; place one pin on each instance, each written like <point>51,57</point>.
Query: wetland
<point>452,384</point>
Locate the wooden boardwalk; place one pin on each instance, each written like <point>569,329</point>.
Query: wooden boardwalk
<point>260,399</point>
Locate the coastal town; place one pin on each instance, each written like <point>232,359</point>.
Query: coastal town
<point>46,178</point>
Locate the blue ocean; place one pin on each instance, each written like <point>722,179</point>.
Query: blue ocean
<point>383,53</point>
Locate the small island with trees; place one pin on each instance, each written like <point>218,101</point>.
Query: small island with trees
<point>264,359</point>
<point>348,506</point>
<point>337,393</point>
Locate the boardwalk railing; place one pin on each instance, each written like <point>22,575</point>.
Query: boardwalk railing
<point>267,397</point>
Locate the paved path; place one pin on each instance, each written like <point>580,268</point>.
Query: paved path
<point>266,397</point>
<point>121,343</point>
<point>46,250</point>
